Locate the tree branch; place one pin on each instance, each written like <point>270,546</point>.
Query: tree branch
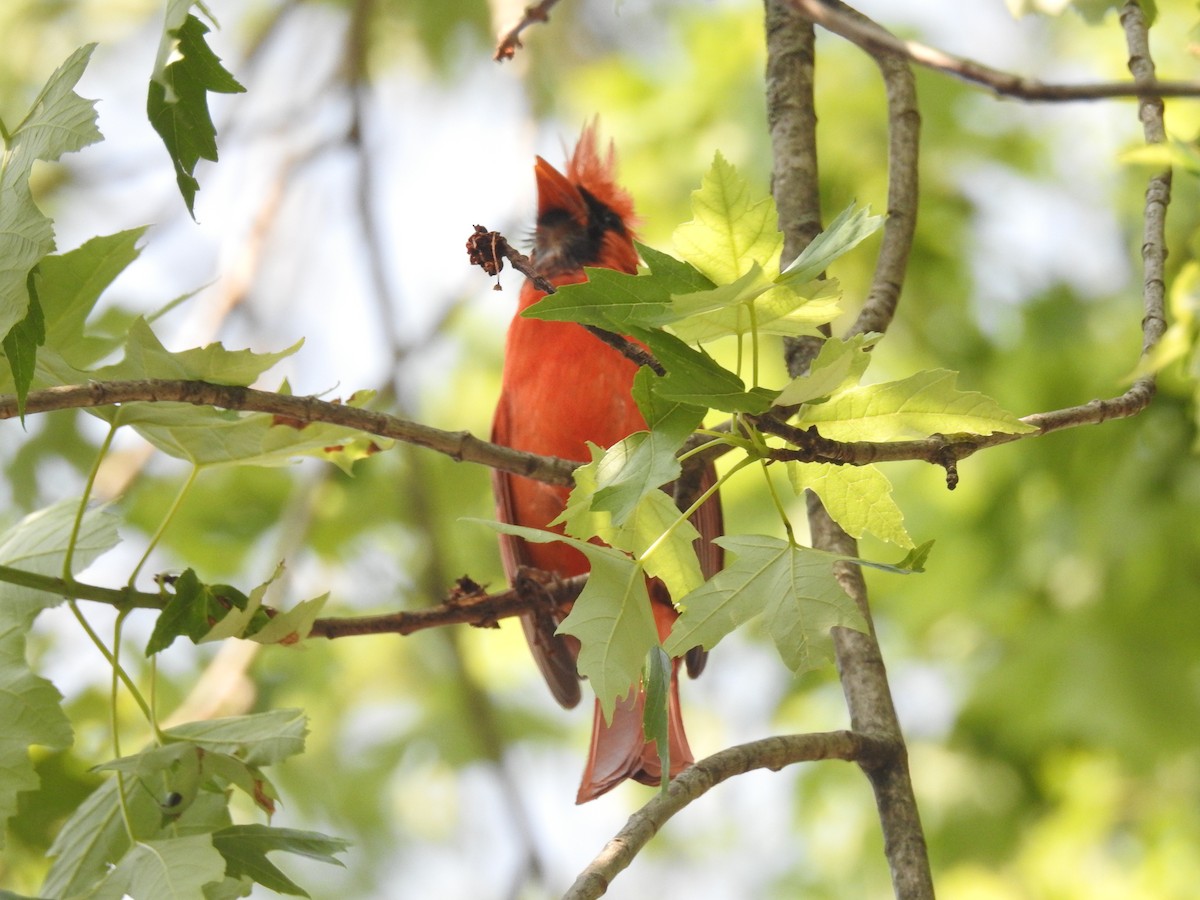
<point>859,660</point>
<point>466,604</point>
<point>693,782</point>
<point>511,41</point>
<point>841,20</point>
<point>458,445</point>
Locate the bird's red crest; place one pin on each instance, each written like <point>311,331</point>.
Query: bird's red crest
<point>596,172</point>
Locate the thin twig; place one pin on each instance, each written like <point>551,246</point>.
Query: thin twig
<point>489,249</point>
<point>511,41</point>
<point>772,753</point>
<point>841,20</point>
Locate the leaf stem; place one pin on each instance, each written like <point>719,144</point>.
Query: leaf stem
<point>162,526</point>
<point>787,523</point>
<point>77,525</point>
<point>690,511</point>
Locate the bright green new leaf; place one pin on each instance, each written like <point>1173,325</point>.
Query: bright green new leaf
<point>630,469</point>
<point>673,560</point>
<point>858,498</point>
<point>754,304</point>
<point>794,589</point>
<point>839,364</point>
<point>245,849</point>
<point>916,407</point>
<point>729,233</point>
<point>59,121</point>
<point>170,867</point>
<point>843,234</point>
<point>611,617</point>
<point>177,102</point>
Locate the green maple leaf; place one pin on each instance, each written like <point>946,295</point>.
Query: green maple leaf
<point>916,407</point>
<point>793,588</point>
<point>69,284</point>
<point>839,365</point>
<point>171,867</point>
<point>858,498</point>
<point>29,704</point>
<point>177,103</point>
<point>611,617</point>
<point>60,121</point>
<point>729,233</point>
<point>245,849</point>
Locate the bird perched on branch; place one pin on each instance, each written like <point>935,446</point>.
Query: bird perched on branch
<point>563,387</point>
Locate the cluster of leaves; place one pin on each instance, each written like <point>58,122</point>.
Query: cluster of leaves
<point>160,825</point>
<point>728,283</point>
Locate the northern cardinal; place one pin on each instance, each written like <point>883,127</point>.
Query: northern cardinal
<point>561,388</point>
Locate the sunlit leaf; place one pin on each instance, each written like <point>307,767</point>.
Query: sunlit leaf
<point>846,231</point>
<point>858,498</point>
<point>729,233</point>
<point>839,364</point>
<point>792,587</point>
<point>916,407</point>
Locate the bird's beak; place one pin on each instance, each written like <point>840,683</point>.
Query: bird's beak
<point>555,192</point>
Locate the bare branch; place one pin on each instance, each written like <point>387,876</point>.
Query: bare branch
<point>841,20</point>
<point>693,782</point>
<point>511,41</point>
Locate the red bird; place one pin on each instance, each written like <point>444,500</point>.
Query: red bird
<point>561,388</point>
